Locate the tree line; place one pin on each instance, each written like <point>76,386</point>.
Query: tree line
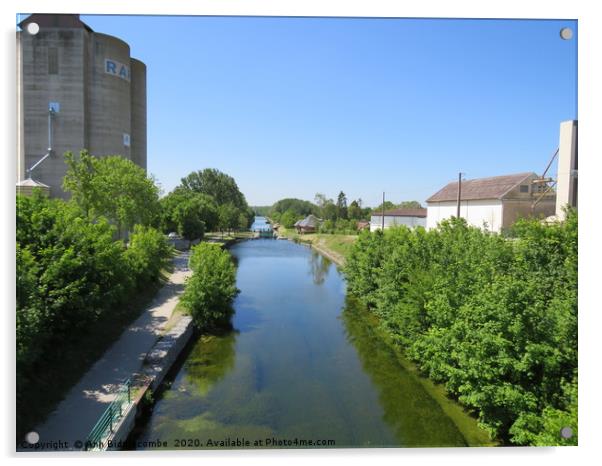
<point>492,318</point>
<point>339,216</point>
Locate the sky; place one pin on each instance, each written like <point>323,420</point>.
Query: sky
<point>291,107</point>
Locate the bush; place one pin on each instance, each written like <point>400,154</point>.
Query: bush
<point>148,253</point>
<point>211,289</point>
<point>495,320</point>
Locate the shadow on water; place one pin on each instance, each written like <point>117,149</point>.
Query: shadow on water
<point>415,417</point>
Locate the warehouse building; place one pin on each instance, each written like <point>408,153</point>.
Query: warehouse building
<point>76,89</point>
<point>396,217</point>
<point>493,203</point>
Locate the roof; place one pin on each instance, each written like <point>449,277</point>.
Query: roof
<point>402,213</point>
<point>55,21</point>
<point>311,221</point>
<point>32,183</point>
<point>494,187</point>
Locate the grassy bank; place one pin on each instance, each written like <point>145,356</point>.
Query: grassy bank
<point>334,246</point>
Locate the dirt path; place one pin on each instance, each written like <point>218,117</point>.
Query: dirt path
<point>75,416</point>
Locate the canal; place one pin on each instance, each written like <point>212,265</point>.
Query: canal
<point>302,362</point>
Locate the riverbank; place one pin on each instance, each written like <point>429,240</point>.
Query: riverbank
<point>334,246</point>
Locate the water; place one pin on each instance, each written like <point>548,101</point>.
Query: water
<point>261,224</point>
<point>303,363</point>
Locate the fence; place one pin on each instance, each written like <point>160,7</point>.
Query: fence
<point>104,427</point>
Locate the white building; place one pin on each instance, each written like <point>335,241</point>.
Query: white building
<point>396,217</point>
<point>494,203</point>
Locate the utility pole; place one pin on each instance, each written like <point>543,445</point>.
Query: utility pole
<point>383,219</point>
<point>459,194</point>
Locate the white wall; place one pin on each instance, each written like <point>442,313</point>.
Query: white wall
<point>475,213</point>
<point>376,221</point>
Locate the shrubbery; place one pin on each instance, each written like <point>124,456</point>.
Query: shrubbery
<point>70,274</point>
<point>211,289</point>
<point>493,318</point>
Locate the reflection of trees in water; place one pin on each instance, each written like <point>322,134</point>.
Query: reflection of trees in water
<point>210,360</point>
<point>414,416</point>
<point>319,267</point>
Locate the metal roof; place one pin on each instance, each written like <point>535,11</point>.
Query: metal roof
<point>402,213</point>
<point>495,187</point>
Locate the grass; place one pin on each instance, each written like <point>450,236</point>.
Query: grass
<point>58,374</point>
<point>337,246</point>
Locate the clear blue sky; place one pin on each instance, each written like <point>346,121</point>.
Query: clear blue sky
<point>294,106</point>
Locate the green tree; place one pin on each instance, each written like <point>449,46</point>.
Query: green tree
<point>112,187</point>
<point>342,205</point>
<point>229,217</point>
<point>181,203</point>
<point>211,289</point>
<point>354,211</point>
<point>289,218</point>
<point>221,187</point>
<point>410,205</point>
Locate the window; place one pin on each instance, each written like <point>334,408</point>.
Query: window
<point>524,188</point>
<point>53,60</point>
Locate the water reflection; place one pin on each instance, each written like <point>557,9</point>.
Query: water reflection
<point>319,266</point>
<point>414,416</point>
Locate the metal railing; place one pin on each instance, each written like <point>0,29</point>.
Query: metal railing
<point>104,426</point>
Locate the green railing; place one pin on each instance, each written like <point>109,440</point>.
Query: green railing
<point>109,418</point>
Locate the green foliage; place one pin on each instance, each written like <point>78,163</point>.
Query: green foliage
<point>228,217</point>
<point>71,276</point>
<point>211,289</point>
<point>493,319</point>
<point>298,207</point>
<point>148,253</point>
<point>216,184</point>
<point>189,213</point>
<point>289,218</point>
<point>113,187</point>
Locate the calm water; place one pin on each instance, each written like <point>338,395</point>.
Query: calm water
<point>302,363</point>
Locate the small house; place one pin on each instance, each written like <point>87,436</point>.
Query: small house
<point>309,224</point>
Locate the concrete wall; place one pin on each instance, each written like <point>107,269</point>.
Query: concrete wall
<point>391,221</point>
<point>109,100</point>
<point>515,209</point>
<point>566,187</point>
<point>475,213</point>
<point>38,88</point>
<point>138,113</point>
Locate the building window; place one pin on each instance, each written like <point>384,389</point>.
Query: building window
<point>524,188</point>
<point>53,60</point>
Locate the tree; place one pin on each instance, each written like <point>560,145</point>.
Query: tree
<point>410,205</point>
<point>113,187</point>
<point>341,205</point>
<point>228,216</point>
<point>354,211</point>
<point>288,218</point>
<point>216,184</point>
<point>182,205</point>
<point>299,207</point>
<point>211,289</point>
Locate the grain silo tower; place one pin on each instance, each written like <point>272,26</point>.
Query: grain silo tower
<point>76,89</point>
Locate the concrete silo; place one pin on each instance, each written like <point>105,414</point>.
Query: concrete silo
<point>97,92</point>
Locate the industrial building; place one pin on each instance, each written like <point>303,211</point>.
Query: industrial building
<point>494,203</point>
<point>396,217</point>
<point>76,89</point>
<point>497,202</point>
